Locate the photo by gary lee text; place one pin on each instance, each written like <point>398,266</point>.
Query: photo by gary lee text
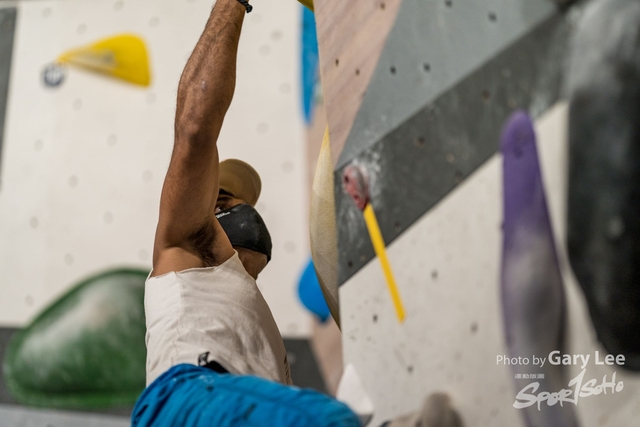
<point>556,358</point>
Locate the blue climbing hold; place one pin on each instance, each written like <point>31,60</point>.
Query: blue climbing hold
<point>310,293</point>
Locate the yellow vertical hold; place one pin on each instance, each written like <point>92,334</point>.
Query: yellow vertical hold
<point>379,247</point>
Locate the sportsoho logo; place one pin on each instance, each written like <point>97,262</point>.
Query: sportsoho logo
<point>576,389</point>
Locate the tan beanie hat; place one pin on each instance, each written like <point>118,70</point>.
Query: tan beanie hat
<point>240,180</point>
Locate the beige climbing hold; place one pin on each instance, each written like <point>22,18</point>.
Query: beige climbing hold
<point>437,411</point>
<point>322,228</point>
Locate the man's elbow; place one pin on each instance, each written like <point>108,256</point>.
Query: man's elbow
<point>198,118</point>
<point>196,133</point>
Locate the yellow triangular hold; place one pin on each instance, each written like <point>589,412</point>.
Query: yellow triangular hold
<point>123,56</point>
<point>308,4</point>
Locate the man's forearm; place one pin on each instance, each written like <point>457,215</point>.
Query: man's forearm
<point>208,81</point>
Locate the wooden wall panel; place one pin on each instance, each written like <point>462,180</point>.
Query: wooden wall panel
<point>351,36</point>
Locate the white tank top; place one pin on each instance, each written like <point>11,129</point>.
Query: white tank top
<point>219,310</point>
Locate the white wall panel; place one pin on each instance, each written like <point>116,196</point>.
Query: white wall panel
<point>83,163</point>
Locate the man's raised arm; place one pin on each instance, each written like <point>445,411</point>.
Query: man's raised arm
<point>188,235</point>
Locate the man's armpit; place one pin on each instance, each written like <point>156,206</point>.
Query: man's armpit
<point>202,241</point>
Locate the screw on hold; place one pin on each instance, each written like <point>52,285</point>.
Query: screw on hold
<point>53,75</point>
<point>356,184</point>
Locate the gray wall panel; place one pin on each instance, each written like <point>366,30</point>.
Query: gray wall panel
<point>7,29</point>
<point>432,46</point>
<point>415,166</point>
<point>20,416</point>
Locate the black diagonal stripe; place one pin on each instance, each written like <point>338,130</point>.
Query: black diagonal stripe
<point>418,163</point>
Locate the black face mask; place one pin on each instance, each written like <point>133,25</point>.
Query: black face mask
<point>246,229</point>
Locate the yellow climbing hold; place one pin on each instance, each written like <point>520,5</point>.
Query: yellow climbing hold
<point>123,56</point>
<point>307,3</point>
<point>379,248</point>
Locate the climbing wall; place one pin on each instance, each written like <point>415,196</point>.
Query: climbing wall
<point>83,163</point>
<point>424,125</point>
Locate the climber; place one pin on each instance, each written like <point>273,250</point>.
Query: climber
<point>215,356</point>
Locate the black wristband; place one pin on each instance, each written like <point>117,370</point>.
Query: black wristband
<point>246,4</point>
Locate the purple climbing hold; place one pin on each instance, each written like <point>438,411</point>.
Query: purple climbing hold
<point>533,299</point>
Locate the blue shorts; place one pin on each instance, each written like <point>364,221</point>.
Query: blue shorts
<point>193,396</point>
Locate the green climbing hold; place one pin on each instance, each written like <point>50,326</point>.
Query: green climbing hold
<point>86,350</point>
